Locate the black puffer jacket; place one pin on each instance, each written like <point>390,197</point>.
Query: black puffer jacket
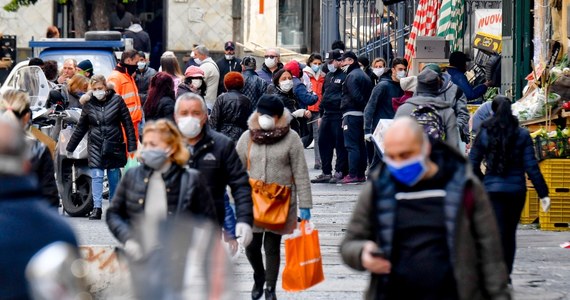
<point>290,102</point>
<point>129,200</point>
<point>164,110</point>
<point>230,113</point>
<point>254,87</point>
<point>103,120</point>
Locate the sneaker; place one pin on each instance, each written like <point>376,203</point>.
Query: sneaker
<point>322,178</point>
<point>349,179</point>
<point>336,178</point>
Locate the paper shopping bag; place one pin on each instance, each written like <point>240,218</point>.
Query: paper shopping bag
<point>303,262</point>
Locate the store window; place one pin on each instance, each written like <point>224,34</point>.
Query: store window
<point>294,24</point>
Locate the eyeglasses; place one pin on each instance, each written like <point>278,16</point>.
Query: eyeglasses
<point>270,56</point>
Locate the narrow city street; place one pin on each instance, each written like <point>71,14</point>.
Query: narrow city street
<point>542,268</point>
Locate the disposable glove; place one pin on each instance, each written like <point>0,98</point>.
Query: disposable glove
<point>368,137</point>
<point>305,213</point>
<point>545,203</point>
<point>133,249</point>
<point>244,234</point>
<point>69,154</point>
<point>299,113</point>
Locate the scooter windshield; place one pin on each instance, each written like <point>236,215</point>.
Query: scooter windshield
<point>32,80</point>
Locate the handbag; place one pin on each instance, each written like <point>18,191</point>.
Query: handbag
<point>270,201</point>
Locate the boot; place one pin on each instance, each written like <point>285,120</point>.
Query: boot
<point>270,293</point>
<point>257,290</point>
<point>96,214</point>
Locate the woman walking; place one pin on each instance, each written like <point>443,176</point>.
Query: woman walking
<point>274,154</point>
<point>508,153</point>
<point>160,101</point>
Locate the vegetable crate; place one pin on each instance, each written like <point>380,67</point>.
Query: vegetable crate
<point>556,173</point>
<point>558,218</point>
<point>531,207</point>
<point>552,148</point>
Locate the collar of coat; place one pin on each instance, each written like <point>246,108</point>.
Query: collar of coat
<point>261,136</point>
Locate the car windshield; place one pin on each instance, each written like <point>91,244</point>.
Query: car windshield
<point>103,62</point>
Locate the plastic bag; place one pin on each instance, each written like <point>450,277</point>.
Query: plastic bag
<point>132,162</point>
<point>303,261</point>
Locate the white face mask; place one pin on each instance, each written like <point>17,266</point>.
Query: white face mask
<point>190,126</point>
<point>197,83</point>
<point>345,68</point>
<point>266,122</point>
<point>286,85</point>
<point>99,94</point>
<point>378,71</point>
<point>270,62</point>
<point>229,56</point>
<point>401,74</point>
<point>198,61</point>
<point>141,65</point>
<point>332,68</point>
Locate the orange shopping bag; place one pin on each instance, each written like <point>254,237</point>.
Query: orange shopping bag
<point>303,262</point>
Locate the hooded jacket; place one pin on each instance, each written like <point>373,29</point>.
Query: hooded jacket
<point>230,113</point>
<point>380,104</point>
<point>356,90</point>
<point>141,39</point>
<point>454,96</point>
<point>266,74</point>
<point>317,81</point>
<point>254,87</point>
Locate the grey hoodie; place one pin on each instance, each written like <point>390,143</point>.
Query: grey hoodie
<point>452,94</point>
<point>443,109</point>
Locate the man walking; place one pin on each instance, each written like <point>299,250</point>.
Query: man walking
<point>211,74</point>
<point>230,63</point>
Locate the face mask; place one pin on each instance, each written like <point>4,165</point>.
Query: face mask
<point>229,56</point>
<point>286,85</point>
<point>315,68</point>
<point>408,172</point>
<point>154,158</point>
<point>331,67</point>
<point>401,74</point>
<point>362,68</point>
<point>197,83</point>
<point>266,122</point>
<point>131,69</point>
<point>345,68</point>
<point>99,94</point>
<point>270,62</point>
<point>378,71</point>
<point>190,127</point>
<point>141,65</point>
<point>198,61</point>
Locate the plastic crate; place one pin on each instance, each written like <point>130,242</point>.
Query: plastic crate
<point>551,148</point>
<point>556,173</point>
<point>558,218</point>
<point>531,206</point>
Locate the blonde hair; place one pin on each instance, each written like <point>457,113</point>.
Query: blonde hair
<point>14,104</point>
<point>171,136</point>
<point>97,79</point>
<point>379,59</point>
<point>78,83</point>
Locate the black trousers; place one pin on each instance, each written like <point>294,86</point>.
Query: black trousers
<point>272,244</point>
<point>331,139</point>
<point>353,129</point>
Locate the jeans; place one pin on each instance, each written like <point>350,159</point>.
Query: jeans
<point>272,244</point>
<point>113,176</point>
<point>330,139</point>
<point>353,130</point>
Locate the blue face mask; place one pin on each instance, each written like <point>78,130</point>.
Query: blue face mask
<point>315,68</point>
<point>408,172</point>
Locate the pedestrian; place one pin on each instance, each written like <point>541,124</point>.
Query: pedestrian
<point>423,225</point>
<point>169,64</point>
<point>457,68</point>
<point>317,78</point>
<point>193,82</point>
<point>427,91</point>
<point>483,113</point>
<point>229,63</point>
<point>52,32</point>
<point>331,137</point>
<point>378,68</point>
<point>69,69</point>
<point>104,116</point>
<point>508,152</point>
<point>27,225</point>
<point>120,19</point>
<point>211,74</point>
<point>232,109</point>
<point>85,68</point>
<point>379,105</point>
<point>16,104</point>
<point>141,39</point>
<point>304,97</point>
<point>75,88</point>
<point>271,65</point>
<point>355,94</point>
<point>408,85</point>
<point>142,76</point>
<point>364,64</point>
<point>282,87</point>
<point>123,83</point>
<point>253,87</point>
<point>274,153</point>
<point>215,156</point>
<point>151,192</point>
<point>160,101</point>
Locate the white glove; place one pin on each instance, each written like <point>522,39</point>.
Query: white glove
<point>299,113</point>
<point>133,249</point>
<point>244,234</point>
<point>368,137</point>
<point>69,154</point>
<point>545,203</point>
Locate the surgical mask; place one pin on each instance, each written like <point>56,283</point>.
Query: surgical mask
<point>378,71</point>
<point>286,85</point>
<point>141,65</point>
<point>131,69</point>
<point>315,68</point>
<point>401,74</point>
<point>99,94</point>
<point>154,158</point>
<point>198,61</point>
<point>197,83</point>
<point>266,122</point>
<point>331,68</point>
<point>190,127</point>
<point>270,62</point>
<point>408,172</point>
<point>345,68</point>
<point>229,56</point>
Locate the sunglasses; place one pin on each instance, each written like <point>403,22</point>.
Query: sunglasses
<point>270,56</point>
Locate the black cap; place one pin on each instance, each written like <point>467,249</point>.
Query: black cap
<point>428,81</point>
<point>249,62</point>
<point>335,54</point>
<point>364,60</point>
<point>270,105</point>
<point>458,58</point>
<point>350,54</point>
<point>229,45</point>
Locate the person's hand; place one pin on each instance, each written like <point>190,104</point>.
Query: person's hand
<point>133,249</point>
<point>69,154</point>
<point>545,203</point>
<point>488,83</point>
<point>368,137</point>
<point>299,113</point>
<point>62,79</point>
<point>244,234</point>
<point>234,245</point>
<point>377,265</point>
<point>308,114</point>
<point>305,213</point>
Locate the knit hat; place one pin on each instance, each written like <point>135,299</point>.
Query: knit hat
<point>193,71</point>
<point>409,84</point>
<point>428,82</point>
<point>86,66</point>
<point>249,62</point>
<point>364,60</point>
<point>233,81</point>
<point>270,105</point>
<point>293,67</point>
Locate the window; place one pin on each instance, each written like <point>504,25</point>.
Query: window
<point>294,25</point>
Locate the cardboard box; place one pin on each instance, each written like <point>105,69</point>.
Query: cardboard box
<point>432,47</point>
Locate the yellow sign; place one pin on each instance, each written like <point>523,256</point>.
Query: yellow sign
<point>488,42</point>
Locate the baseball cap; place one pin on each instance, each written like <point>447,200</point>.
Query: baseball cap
<point>349,54</point>
<point>335,54</point>
<point>229,45</point>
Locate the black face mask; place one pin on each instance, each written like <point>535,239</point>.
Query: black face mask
<point>131,69</point>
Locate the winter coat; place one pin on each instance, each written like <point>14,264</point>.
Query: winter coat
<point>211,80</point>
<point>143,82</point>
<point>380,104</point>
<point>126,87</point>
<point>332,92</point>
<point>523,162</point>
<point>484,112</point>
<point>141,39</point>
<point>290,102</point>
<point>266,74</point>
<point>282,162</point>
<point>317,82</point>
<point>43,168</point>
<point>216,158</point>
<point>105,120</point>
<point>443,109</point>
<point>355,90</point>
<point>472,234</point>
<point>127,206</point>
<point>26,226</point>
<point>225,66</point>
<point>254,87</point>
<point>304,97</point>
<point>453,95</point>
<point>461,81</point>
<point>230,113</point>
<point>164,110</point>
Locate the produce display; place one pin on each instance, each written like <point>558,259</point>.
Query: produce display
<point>535,105</point>
<point>554,144</point>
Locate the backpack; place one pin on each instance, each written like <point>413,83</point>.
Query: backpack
<point>429,118</point>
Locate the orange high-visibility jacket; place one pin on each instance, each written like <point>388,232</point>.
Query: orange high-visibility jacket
<point>126,87</point>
